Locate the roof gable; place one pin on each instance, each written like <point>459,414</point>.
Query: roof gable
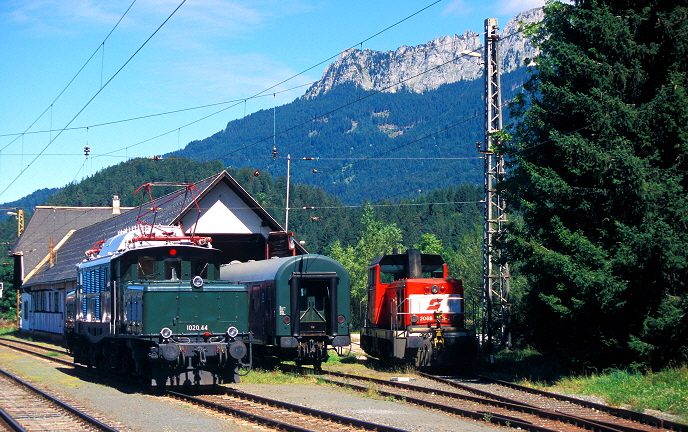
<point>225,191</point>
<point>56,223</point>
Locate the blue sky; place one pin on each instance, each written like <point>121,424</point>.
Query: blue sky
<point>209,52</point>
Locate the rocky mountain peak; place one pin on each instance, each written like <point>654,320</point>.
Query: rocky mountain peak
<point>443,60</point>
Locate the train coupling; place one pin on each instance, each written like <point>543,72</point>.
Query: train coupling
<point>312,349</point>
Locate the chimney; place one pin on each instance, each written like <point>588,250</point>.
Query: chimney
<point>115,204</point>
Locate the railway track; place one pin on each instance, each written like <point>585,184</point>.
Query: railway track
<point>563,403</point>
<point>46,413</point>
<point>518,410</point>
<point>278,414</point>
<point>480,399</point>
<point>45,352</point>
<point>263,411</point>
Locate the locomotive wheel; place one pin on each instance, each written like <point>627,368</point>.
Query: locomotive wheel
<point>411,356</point>
<point>424,356</point>
<point>231,375</point>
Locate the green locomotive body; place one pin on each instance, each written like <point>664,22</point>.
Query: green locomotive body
<point>152,305</point>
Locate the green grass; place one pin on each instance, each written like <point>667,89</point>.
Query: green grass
<point>7,329</point>
<point>335,358</point>
<point>665,391</point>
<point>260,376</point>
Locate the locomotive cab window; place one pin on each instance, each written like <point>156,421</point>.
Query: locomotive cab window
<point>199,267</point>
<point>146,267</point>
<point>173,268</point>
<point>391,272</point>
<point>433,271</point>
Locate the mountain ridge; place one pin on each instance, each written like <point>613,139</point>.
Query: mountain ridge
<point>443,60</point>
<point>380,125</point>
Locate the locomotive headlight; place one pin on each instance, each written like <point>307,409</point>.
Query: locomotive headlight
<point>166,333</point>
<point>435,289</point>
<point>232,332</point>
<point>414,319</point>
<point>340,319</point>
<point>197,282</point>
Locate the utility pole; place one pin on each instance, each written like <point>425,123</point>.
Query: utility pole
<point>495,268</point>
<point>286,206</point>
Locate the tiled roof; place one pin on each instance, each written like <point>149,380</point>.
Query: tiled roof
<point>55,222</point>
<point>72,252</point>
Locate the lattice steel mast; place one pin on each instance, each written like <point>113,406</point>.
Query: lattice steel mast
<point>495,268</point>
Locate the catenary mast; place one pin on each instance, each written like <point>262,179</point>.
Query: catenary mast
<point>496,312</point>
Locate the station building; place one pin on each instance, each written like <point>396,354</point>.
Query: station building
<point>56,239</point>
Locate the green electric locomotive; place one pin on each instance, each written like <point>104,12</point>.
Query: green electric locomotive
<point>150,304</point>
<point>298,306</point>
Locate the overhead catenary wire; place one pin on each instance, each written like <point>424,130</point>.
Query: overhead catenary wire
<point>323,115</point>
<point>246,99</point>
<point>92,98</point>
<point>75,76</point>
<point>235,102</point>
<point>260,94</point>
<point>273,136</point>
<point>178,128</point>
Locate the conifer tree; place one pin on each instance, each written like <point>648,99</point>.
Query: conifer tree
<point>600,154</point>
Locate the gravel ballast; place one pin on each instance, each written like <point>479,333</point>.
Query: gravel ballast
<point>126,409</point>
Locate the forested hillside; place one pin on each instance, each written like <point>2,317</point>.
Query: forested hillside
<point>367,145</point>
<point>123,180</point>
<point>28,202</point>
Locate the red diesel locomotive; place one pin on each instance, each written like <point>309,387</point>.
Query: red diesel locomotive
<point>416,314</point>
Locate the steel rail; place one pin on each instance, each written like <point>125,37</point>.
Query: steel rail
<point>10,422</point>
<point>475,415</point>
<point>47,357</point>
<point>74,411</point>
<point>280,404</point>
<point>619,412</point>
<point>494,400</point>
<point>236,412</point>
<point>310,411</point>
<point>61,351</point>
